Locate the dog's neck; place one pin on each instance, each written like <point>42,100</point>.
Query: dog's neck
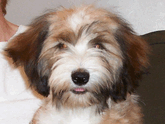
<point>71,116</point>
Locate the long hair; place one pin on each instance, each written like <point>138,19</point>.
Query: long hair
<point>3,6</point>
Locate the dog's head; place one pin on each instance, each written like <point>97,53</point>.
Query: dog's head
<point>80,56</point>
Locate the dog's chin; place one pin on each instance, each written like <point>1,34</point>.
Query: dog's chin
<point>79,90</point>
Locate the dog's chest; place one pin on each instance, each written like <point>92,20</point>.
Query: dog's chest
<point>77,116</point>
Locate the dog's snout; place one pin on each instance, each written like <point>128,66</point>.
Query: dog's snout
<point>80,78</point>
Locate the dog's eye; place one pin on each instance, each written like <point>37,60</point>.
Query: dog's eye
<point>98,46</point>
<point>62,45</point>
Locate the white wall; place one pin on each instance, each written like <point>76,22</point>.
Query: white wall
<point>144,15</point>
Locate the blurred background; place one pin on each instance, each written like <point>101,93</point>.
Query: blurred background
<point>144,15</point>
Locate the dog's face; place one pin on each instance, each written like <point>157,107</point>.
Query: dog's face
<point>80,56</point>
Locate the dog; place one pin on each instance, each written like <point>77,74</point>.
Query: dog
<point>87,62</point>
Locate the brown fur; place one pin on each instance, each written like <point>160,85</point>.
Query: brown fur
<point>126,112</point>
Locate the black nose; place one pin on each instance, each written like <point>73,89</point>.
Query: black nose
<point>80,77</point>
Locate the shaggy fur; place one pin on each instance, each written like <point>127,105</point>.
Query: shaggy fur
<point>86,62</point>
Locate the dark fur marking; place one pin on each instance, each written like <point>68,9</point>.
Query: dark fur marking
<point>128,79</point>
<point>25,50</point>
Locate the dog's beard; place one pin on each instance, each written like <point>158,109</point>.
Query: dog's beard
<point>70,99</point>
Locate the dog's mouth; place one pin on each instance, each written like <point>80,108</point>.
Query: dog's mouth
<point>79,90</point>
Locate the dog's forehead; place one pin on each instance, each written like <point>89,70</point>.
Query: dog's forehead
<point>87,15</point>
<point>77,19</point>
<point>82,43</point>
<point>74,20</point>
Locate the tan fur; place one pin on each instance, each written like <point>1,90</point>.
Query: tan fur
<point>126,112</point>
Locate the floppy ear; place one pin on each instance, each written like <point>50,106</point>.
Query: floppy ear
<point>25,50</point>
<point>135,60</point>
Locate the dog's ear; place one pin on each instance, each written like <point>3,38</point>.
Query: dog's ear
<point>135,60</point>
<point>25,50</point>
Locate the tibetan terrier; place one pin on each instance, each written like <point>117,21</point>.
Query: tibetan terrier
<point>86,62</point>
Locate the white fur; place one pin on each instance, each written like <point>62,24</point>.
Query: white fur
<point>70,116</point>
<point>78,19</point>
